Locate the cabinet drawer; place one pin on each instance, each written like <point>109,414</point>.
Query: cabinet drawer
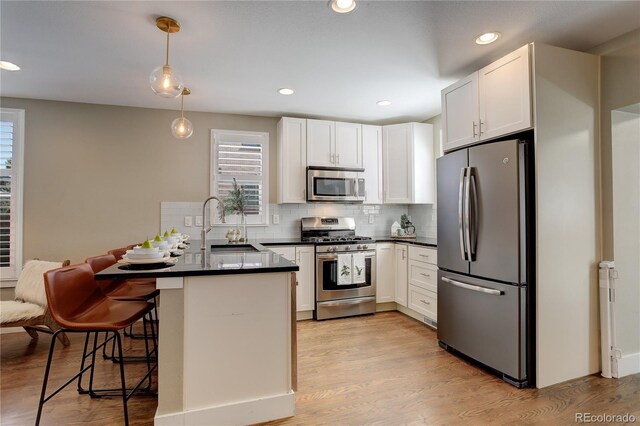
<point>423,254</point>
<point>423,275</point>
<point>424,302</point>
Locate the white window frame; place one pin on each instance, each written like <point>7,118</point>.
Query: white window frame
<point>263,138</point>
<point>9,275</point>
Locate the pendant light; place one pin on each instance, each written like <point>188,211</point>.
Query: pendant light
<point>166,81</point>
<point>181,127</point>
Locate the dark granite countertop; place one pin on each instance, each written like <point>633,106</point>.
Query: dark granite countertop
<point>191,263</point>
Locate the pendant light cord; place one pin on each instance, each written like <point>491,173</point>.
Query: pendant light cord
<point>168,31</point>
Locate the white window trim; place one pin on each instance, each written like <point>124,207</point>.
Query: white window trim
<point>9,280</point>
<point>265,171</point>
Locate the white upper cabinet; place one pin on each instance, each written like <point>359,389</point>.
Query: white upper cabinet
<point>292,160</point>
<point>460,115</point>
<point>348,146</point>
<point>408,164</point>
<point>372,163</point>
<point>321,140</point>
<point>505,95</point>
<point>492,102</point>
<point>334,144</point>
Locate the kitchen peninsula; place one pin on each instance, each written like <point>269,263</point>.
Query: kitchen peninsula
<point>227,349</point>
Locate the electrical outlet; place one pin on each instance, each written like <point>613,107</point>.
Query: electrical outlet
<point>188,221</point>
<point>276,219</point>
<point>372,218</point>
<point>198,220</point>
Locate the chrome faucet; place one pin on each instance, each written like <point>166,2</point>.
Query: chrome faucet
<point>206,229</point>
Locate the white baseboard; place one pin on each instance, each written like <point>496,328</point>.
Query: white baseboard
<point>244,412</point>
<point>629,364</point>
<point>9,330</point>
<point>304,315</point>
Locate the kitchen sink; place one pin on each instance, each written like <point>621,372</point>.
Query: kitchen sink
<point>233,248</point>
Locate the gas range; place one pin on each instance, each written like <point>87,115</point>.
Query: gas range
<point>339,292</point>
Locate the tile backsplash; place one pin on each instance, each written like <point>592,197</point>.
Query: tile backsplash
<point>172,215</point>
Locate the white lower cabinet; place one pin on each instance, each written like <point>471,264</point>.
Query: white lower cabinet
<point>304,257</point>
<point>401,261</point>
<point>385,273</point>
<point>423,301</point>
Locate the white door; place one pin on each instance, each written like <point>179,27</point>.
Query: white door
<point>505,95</point>
<point>348,145</point>
<point>305,292</point>
<point>292,160</point>
<point>402,282</point>
<point>460,117</point>
<point>372,163</point>
<point>321,143</point>
<point>397,159</point>
<point>385,273</point>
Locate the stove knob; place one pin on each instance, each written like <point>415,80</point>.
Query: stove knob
<point>347,247</point>
<point>364,247</point>
<point>359,247</point>
<point>334,248</point>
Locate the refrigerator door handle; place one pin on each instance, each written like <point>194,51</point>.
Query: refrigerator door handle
<point>471,287</point>
<point>474,233</point>
<point>463,252</point>
<point>467,214</point>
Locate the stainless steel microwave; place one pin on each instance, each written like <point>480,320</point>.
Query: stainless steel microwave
<point>335,185</point>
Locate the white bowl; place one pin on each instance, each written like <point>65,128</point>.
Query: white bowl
<point>162,245</point>
<point>171,240</point>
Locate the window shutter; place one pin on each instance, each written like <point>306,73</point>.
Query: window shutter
<point>9,193</point>
<point>243,157</point>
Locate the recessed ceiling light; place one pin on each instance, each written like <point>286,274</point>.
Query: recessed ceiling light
<point>9,66</point>
<point>285,91</point>
<point>487,38</point>
<point>343,6</point>
<point>383,103</point>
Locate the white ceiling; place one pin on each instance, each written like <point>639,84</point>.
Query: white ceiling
<point>234,55</point>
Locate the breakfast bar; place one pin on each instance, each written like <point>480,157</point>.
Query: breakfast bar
<point>227,342</point>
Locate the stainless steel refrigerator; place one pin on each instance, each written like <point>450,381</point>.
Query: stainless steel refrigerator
<point>485,256</point>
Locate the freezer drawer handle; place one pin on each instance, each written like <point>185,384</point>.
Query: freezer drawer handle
<point>477,288</point>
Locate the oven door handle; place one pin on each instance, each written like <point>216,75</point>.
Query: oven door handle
<point>335,256</point>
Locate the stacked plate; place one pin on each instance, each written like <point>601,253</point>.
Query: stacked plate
<point>142,256</point>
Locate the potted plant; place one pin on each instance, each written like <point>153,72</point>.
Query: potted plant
<point>236,203</point>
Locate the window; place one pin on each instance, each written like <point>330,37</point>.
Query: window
<point>11,149</point>
<point>243,156</point>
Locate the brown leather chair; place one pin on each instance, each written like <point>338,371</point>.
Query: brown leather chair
<point>118,253</point>
<point>77,304</point>
<point>121,289</point>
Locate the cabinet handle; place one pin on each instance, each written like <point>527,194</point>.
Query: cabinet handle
<point>425,302</point>
<point>402,254</point>
<point>485,125</point>
<point>425,275</point>
<point>475,134</point>
<point>337,158</point>
<point>297,283</point>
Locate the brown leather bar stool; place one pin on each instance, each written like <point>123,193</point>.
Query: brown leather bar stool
<point>77,305</point>
<point>121,290</point>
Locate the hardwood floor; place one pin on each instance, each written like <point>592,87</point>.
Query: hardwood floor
<point>383,369</point>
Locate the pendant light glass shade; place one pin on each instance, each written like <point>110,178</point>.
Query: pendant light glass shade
<point>166,82</point>
<point>182,128</point>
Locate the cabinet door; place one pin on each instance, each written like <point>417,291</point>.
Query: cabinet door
<point>348,145</point>
<point>292,160</point>
<point>401,275</point>
<point>372,163</point>
<point>321,143</point>
<point>397,163</point>
<point>460,116</point>
<point>385,273</point>
<point>305,294</point>
<point>505,95</point>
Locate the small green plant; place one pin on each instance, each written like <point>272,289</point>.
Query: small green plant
<point>236,201</point>
<point>404,221</point>
<point>358,271</point>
